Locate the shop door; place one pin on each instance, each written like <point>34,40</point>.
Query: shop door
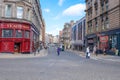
<point>17,48</point>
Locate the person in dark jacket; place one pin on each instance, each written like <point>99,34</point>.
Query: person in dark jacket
<point>58,51</point>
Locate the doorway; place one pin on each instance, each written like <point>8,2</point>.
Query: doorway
<point>17,47</point>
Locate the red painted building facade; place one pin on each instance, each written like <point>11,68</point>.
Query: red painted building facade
<point>15,37</point>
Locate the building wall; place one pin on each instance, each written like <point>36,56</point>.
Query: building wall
<point>66,35</point>
<point>31,16</point>
<point>112,12</point>
<point>105,24</point>
<point>78,35</point>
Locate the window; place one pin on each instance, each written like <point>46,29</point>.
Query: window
<point>18,33</point>
<point>27,34</point>
<point>107,6</point>
<point>90,27</point>
<point>7,33</point>
<point>8,10</point>
<point>107,23</point>
<point>80,31</point>
<point>103,27</point>
<point>96,24</point>
<point>28,14</point>
<point>19,12</point>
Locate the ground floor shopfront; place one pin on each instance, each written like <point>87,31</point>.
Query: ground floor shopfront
<point>109,40</point>
<point>78,45</point>
<point>17,37</point>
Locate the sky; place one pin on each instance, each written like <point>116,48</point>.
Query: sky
<point>58,12</point>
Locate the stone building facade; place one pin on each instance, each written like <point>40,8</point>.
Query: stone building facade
<point>103,24</point>
<point>66,34</point>
<point>21,24</point>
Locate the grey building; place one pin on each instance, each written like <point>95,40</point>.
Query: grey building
<point>78,35</point>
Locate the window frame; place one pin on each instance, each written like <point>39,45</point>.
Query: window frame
<point>25,34</point>
<point>18,14</point>
<point>7,12</point>
<point>3,34</point>
<point>16,33</point>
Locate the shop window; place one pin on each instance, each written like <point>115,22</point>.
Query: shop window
<point>7,33</point>
<point>18,33</point>
<point>27,34</point>
<point>113,41</point>
<point>8,10</point>
<point>19,12</point>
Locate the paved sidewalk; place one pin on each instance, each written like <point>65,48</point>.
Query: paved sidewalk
<point>99,56</point>
<point>42,53</point>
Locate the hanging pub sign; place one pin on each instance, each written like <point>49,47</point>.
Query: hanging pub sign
<point>103,38</point>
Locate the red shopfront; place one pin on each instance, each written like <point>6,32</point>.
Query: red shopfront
<point>103,42</point>
<point>15,37</point>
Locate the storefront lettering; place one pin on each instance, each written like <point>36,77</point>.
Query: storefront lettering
<point>15,26</point>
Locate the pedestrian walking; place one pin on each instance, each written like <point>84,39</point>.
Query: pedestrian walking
<point>87,52</point>
<point>94,49</point>
<point>97,50</point>
<point>58,51</point>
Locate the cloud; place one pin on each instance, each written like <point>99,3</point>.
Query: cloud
<point>60,2</point>
<point>75,10</point>
<point>47,10</point>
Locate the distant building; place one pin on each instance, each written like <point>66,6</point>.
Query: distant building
<point>60,37</point>
<point>66,34</point>
<point>78,35</point>
<point>49,38</point>
<point>21,23</point>
<point>56,39</point>
<point>103,24</point>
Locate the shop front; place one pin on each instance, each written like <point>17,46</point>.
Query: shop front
<point>91,41</point>
<point>14,37</point>
<point>103,42</point>
<point>110,40</point>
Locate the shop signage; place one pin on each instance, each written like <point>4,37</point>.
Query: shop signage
<point>14,25</point>
<point>103,38</point>
<point>90,41</point>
